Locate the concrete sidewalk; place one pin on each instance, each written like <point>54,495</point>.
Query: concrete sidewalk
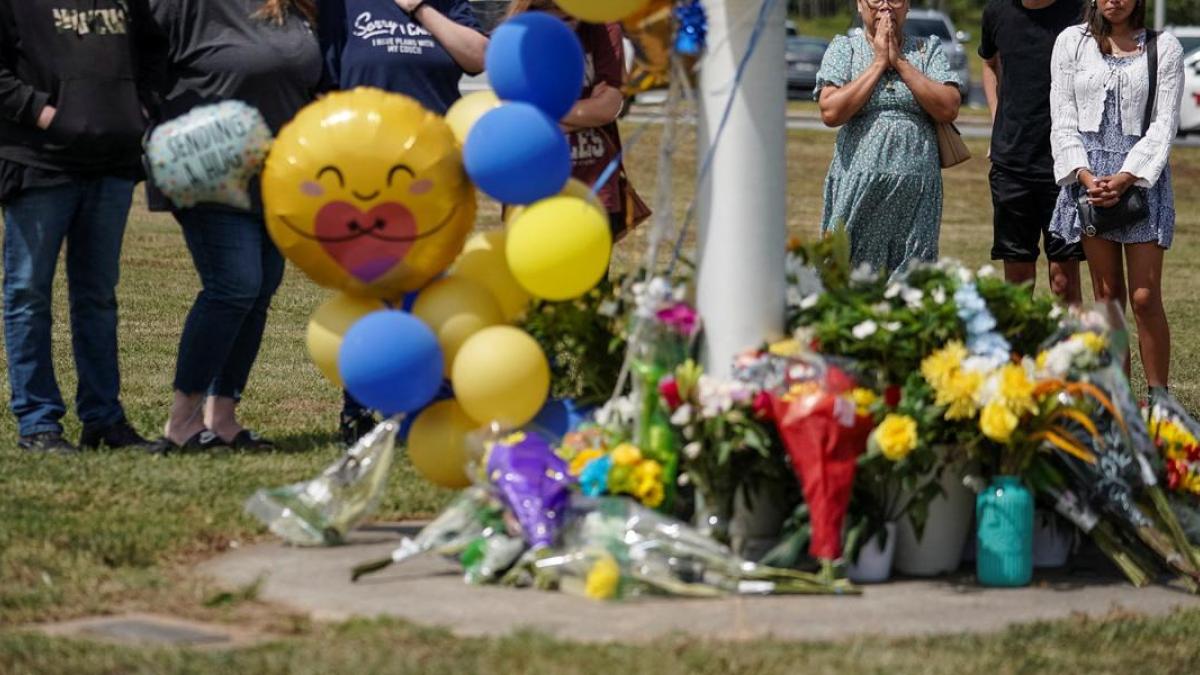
<point>429,591</point>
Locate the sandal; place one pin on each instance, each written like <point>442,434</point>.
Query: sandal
<point>249,440</point>
<point>202,440</point>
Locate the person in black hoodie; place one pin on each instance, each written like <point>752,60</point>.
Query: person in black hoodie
<point>75,77</point>
<point>264,53</point>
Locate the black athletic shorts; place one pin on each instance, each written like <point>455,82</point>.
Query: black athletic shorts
<point>1022,210</point>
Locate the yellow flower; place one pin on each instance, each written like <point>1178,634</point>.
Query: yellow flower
<point>603,579</point>
<point>1173,436</point>
<point>785,348</point>
<point>1094,342</point>
<point>647,483</point>
<point>1016,389</point>
<point>997,422</point>
<point>958,392</point>
<point>580,462</point>
<point>626,455</point>
<point>1042,358</point>
<point>896,436</point>
<point>863,400</point>
<point>941,364</point>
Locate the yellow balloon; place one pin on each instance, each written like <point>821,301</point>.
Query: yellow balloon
<point>467,110</point>
<point>437,444</point>
<point>559,248</point>
<point>601,11</point>
<point>574,188</point>
<point>483,261</point>
<point>328,326</point>
<point>456,308</point>
<point>501,375</point>
<point>365,192</point>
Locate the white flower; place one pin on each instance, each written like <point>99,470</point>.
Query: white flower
<point>810,301</point>
<point>864,273</point>
<point>692,450</point>
<point>881,308</point>
<point>805,278</point>
<point>1056,312</point>
<point>892,291</point>
<point>986,271</point>
<point>964,275</point>
<point>682,416</point>
<point>716,396</point>
<point>684,479</point>
<point>865,329</point>
<point>913,297</point>
<point>892,326</point>
<point>939,295</point>
<point>793,297</point>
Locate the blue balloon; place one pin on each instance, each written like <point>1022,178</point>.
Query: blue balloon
<point>560,417</point>
<point>517,155</point>
<point>536,58</point>
<point>391,362</point>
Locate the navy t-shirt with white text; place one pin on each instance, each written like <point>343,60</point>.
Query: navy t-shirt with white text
<point>374,43</point>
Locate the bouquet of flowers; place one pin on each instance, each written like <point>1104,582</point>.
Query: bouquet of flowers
<point>603,466</point>
<point>614,549</point>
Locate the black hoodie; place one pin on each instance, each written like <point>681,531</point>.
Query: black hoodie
<point>95,61</point>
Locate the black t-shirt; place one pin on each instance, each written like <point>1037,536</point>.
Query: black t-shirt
<point>1024,39</point>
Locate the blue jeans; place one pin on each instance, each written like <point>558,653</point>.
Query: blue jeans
<point>240,270</point>
<point>88,214</point>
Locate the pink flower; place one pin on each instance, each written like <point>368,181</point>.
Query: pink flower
<point>680,317</point>
<point>669,389</point>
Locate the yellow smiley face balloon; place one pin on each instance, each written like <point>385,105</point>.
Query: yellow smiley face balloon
<point>365,192</point>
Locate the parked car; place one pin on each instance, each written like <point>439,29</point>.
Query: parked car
<point>1188,36</point>
<point>927,23</point>
<point>1189,114</point>
<point>804,56</point>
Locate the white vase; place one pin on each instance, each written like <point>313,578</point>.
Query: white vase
<point>940,549</point>
<point>1053,539</point>
<point>874,564</point>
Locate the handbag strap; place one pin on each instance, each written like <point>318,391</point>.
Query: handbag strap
<point>1152,65</point>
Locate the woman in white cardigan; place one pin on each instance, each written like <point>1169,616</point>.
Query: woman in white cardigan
<point>1099,92</point>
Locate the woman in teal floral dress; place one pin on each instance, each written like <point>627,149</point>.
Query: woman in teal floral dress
<point>885,183</point>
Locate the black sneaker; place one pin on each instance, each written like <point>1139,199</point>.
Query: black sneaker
<point>49,442</point>
<point>114,436</point>
<point>354,427</point>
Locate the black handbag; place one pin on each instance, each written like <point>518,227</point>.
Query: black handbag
<point>1134,206</point>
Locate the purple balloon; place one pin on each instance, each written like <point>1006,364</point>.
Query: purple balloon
<point>533,483</point>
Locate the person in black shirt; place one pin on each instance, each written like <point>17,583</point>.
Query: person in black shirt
<point>76,78</point>
<point>1017,41</point>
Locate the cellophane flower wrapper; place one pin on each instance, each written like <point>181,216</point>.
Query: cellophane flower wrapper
<point>654,554</point>
<point>322,511</point>
<point>533,484</point>
<point>824,436</point>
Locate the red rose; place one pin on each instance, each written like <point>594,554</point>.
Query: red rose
<point>669,389</point>
<point>762,406</point>
<point>891,396</point>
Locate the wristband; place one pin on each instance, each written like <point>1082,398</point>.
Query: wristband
<point>413,12</point>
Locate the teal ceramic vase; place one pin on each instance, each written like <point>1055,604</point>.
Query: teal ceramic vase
<point>1004,513</point>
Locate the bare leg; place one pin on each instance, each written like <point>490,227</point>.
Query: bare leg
<point>1145,297</point>
<point>1020,272</point>
<point>186,418</point>
<point>1108,274</point>
<point>220,414</point>
<point>1064,281</point>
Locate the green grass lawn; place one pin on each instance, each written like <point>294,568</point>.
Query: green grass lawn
<point>104,533</point>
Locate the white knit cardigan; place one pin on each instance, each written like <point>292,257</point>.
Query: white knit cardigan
<point>1080,81</point>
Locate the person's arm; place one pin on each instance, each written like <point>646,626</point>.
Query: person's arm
<point>151,52</point>
<point>936,92</point>
<point>840,99</point>
<point>606,101</point>
<point>1148,157</point>
<point>464,44</point>
<point>991,84</point>
<point>1066,143</point>
<point>20,102</point>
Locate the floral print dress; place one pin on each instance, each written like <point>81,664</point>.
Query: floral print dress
<point>885,181</point>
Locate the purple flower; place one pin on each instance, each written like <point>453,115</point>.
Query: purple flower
<point>680,317</point>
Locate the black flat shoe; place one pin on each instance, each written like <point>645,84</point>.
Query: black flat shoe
<point>249,440</point>
<point>114,436</point>
<point>201,441</point>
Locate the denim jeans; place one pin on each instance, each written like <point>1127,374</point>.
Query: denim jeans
<point>89,214</point>
<point>240,270</point>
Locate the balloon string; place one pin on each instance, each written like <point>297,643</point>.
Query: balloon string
<point>759,29</point>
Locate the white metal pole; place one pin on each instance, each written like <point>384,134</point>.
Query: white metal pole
<point>741,210</point>
<point>1160,14</point>
<point>741,203</point>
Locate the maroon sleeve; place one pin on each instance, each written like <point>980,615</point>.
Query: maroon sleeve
<point>608,53</point>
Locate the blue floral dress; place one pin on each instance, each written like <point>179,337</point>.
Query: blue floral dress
<point>1106,151</point>
<point>885,181</point>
